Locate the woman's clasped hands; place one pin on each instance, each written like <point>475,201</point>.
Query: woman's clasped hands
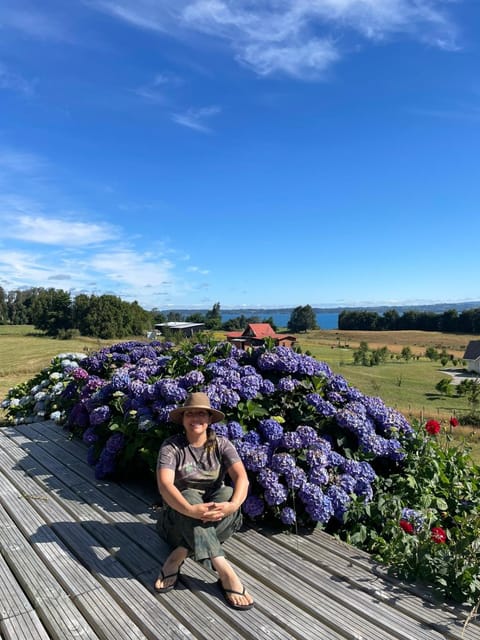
<point>211,511</point>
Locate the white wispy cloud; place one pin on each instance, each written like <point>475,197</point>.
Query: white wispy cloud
<point>23,162</point>
<point>132,267</point>
<point>12,81</point>
<point>203,272</point>
<point>28,18</point>
<point>42,245</point>
<point>146,14</point>
<point>467,113</point>
<point>195,118</point>
<point>24,268</point>
<point>50,230</point>
<point>156,90</point>
<point>301,38</point>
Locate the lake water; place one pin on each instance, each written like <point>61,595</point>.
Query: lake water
<point>324,320</point>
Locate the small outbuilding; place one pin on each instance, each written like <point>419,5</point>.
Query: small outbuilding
<point>187,329</point>
<point>472,356</point>
<point>256,334</point>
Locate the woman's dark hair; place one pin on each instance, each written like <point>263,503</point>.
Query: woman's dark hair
<point>211,442</point>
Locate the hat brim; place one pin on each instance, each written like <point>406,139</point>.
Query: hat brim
<point>176,415</point>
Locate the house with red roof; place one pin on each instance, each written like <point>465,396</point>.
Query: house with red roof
<point>256,334</point>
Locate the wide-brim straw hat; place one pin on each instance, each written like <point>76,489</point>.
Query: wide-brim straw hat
<point>197,400</point>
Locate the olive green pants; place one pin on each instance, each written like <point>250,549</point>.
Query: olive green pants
<point>202,539</point>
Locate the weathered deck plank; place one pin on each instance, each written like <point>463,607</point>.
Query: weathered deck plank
<point>79,557</point>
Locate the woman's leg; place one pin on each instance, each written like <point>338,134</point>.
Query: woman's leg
<point>226,573</point>
<point>171,568</point>
<point>175,529</point>
<point>231,582</point>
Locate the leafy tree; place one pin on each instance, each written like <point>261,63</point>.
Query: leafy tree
<point>213,318</point>
<point>389,321</point>
<point>432,354</point>
<point>379,356</point>
<point>136,319</point>
<point>3,306</point>
<point>195,317</point>
<point>471,389</point>
<point>302,319</point>
<point>448,321</point>
<point>406,354</point>
<point>235,324</point>
<point>444,386</point>
<point>157,316</point>
<point>52,311</point>
<point>363,355</point>
<point>19,306</point>
<point>174,316</point>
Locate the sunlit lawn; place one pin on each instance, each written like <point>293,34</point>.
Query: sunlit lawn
<point>24,352</point>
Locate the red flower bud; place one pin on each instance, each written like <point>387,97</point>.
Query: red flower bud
<point>432,427</point>
<point>439,535</point>
<point>453,422</point>
<point>406,526</point>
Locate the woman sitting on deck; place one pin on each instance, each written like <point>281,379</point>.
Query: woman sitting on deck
<point>200,512</point>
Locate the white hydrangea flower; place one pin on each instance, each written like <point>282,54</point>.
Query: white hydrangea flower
<point>56,375</point>
<point>57,389</point>
<point>145,424</point>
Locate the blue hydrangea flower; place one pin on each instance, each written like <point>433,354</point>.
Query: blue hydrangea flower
<point>288,516</point>
<point>235,430</point>
<point>275,494</point>
<point>416,518</point>
<point>271,430</point>
<point>220,429</point>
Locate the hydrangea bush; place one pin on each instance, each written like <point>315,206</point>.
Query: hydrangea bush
<point>317,451</point>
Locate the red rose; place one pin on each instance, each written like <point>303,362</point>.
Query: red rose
<point>439,535</point>
<point>432,427</point>
<point>453,422</point>
<point>406,526</point>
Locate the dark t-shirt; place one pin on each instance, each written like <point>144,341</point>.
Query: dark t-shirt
<point>194,467</point>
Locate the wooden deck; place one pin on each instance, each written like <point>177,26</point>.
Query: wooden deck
<point>79,557</point>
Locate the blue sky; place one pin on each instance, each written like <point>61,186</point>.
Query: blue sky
<point>257,154</point>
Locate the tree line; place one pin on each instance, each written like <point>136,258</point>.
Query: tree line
<point>57,313</point>
<point>450,321</point>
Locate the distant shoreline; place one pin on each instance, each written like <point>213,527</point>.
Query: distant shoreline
<point>439,307</point>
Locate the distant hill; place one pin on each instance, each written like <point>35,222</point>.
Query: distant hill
<point>268,311</point>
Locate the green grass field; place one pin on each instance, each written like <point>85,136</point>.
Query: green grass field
<point>406,386</point>
<point>24,352</point>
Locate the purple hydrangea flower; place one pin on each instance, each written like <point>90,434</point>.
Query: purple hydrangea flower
<point>115,443</point>
<point>220,429</point>
<point>235,430</point>
<point>275,494</point>
<point>89,436</point>
<point>288,516</point>
<point>271,430</point>
<point>253,506</point>
<point>287,384</point>
<point>100,415</point>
